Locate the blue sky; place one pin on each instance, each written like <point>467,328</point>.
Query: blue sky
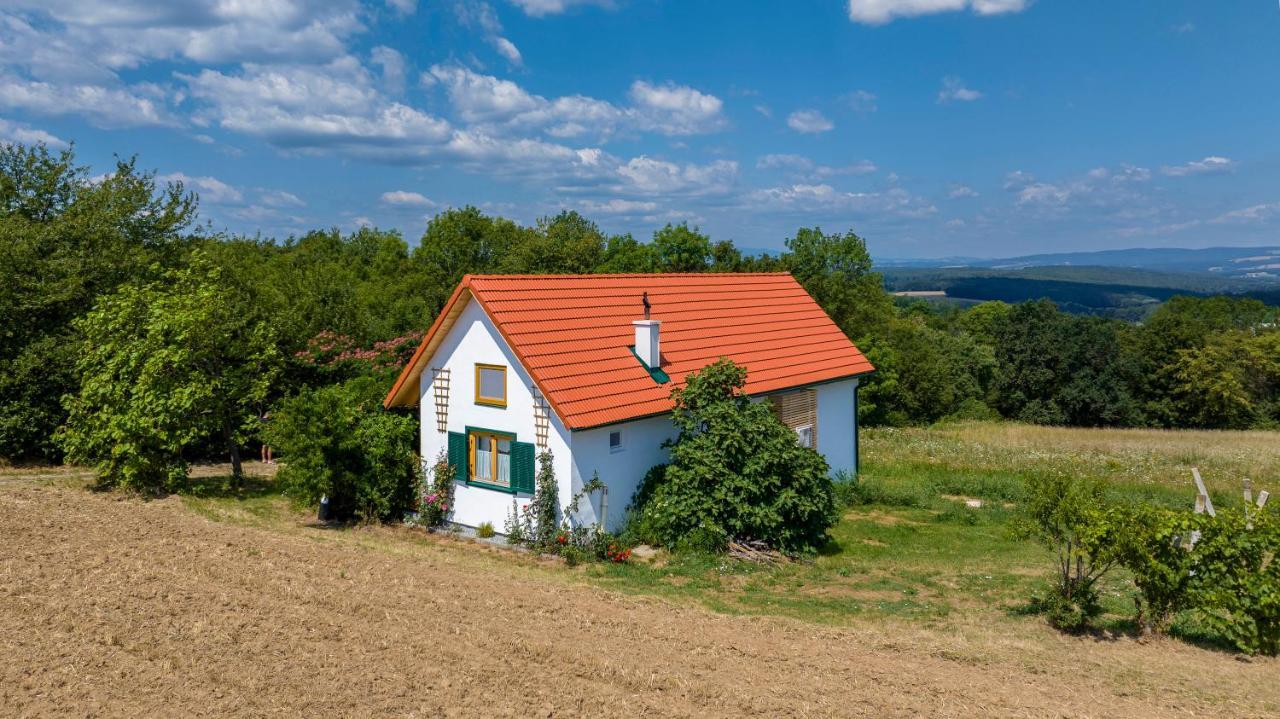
<point>930,127</point>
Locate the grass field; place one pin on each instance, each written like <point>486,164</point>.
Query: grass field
<point>914,578</point>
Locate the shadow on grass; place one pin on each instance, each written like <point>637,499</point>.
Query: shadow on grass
<point>224,487</point>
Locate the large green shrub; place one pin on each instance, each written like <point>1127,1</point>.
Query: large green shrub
<point>1152,543</point>
<point>736,472</point>
<point>337,441</point>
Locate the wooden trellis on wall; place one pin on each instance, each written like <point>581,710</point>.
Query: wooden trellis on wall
<point>541,417</point>
<point>440,388</point>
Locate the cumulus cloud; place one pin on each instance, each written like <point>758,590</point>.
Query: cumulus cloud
<point>210,189</point>
<point>404,198</point>
<point>17,133</point>
<point>618,206</point>
<point>805,197</point>
<point>954,90</point>
<point>648,176</point>
<point>667,109</point>
<point>879,12</point>
<point>809,122</point>
<point>1211,165</point>
<point>393,67</point>
<point>673,109</point>
<point>280,198</point>
<point>961,191</point>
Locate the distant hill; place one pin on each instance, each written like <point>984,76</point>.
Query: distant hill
<point>1260,263</point>
<point>1128,284</point>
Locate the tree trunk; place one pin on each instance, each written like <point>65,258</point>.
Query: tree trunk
<point>237,470</point>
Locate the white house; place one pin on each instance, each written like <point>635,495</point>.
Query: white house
<point>583,366</point>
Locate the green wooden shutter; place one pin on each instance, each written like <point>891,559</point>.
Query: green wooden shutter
<point>458,455</point>
<point>522,467</point>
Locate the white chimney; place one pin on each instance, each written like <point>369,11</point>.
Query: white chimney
<point>647,342</point>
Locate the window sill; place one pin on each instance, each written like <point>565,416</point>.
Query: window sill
<point>491,403</point>
<point>494,487</point>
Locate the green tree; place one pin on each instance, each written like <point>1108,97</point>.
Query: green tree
<point>567,243</point>
<point>338,442</point>
<point>679,248</point>
<point>164,366</point>
<point>736,472</point>
<point>836,270</point>
<point>1231,381</point>
<point>464,241</point>
<point>64,240</point>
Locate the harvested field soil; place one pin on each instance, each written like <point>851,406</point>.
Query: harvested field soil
<point>114,607</point>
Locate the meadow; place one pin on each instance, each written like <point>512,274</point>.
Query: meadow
<point>917,606</point>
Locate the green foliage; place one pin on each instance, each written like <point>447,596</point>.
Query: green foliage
<point>65,240</point>
<point>485,530</point>
<point>1153,544</point>
<point>677,248</point>
<point>736,472</point>
<point>545,505</point>
<point>337,441</point>
<point>164,366</point>
<point>1236,585</point>
<point>1069,515</point>
<point>836,270</point>
<point>437,492</point>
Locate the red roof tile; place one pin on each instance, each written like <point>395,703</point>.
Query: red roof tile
<point>573,334</point>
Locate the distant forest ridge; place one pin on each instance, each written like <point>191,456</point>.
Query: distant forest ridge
<point>1258,263</point>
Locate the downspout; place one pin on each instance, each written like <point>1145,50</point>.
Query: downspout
<point>857,450</point>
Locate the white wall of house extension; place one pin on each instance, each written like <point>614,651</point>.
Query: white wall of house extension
<point>474,339</point>
<point>621,469</point>
<point>838,424</point>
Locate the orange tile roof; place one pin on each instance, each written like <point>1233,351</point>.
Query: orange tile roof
<point>573,334</point>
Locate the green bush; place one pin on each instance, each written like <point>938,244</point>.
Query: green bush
<point>1151,542</point>
<point>485,530</point>
<point>1069,612</point>
<point>337,441</point>
<point>736,472</point>
<point>1236,585</point>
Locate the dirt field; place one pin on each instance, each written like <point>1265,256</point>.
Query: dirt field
<point>114,607</point>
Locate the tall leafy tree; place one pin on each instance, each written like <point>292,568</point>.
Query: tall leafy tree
<point>65,239</point>
<point>679,248</point>
<point>164,366</point>
<point>836,270</point>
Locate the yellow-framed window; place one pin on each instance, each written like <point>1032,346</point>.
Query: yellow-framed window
<point>490,457</point>
<point>491,385</point>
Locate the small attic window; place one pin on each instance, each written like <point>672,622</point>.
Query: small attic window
<point>615,441</point>
<point>491,385</point>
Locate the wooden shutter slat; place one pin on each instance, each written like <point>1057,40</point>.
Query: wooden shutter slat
<point>458,456</point>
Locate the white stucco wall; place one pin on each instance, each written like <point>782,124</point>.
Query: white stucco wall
<point>837,424</point>
<point>473,339</point>
<point>622,470</point>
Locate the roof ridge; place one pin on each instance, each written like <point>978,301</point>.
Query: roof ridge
<point>621,274</point>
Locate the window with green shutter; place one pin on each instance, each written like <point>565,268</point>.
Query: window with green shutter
<point>492,459</point>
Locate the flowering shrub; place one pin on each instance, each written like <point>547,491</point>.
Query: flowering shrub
<point>329,350</point>
<point>437,494</point>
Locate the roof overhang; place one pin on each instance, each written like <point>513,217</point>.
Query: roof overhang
<point>406,390</point>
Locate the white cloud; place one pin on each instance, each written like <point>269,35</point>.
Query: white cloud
<point>1018,179</point>
<point>405,198</point>
<point>1208,166</point>
<point>1184,28</point>
<point>210,189</point>
<point>392,64</point>
<point>801,166</point>
<point>668,109</point>
<point>809,122</point>
<point>17,133</point>
<point>647,176</point>
<point>961,191</point>
<point>507,49</point>
<point>860,101</point>
<point>108,107</point>
<point>879,12</point>
<point>763,109</point>
<point>280,198</point>
<point>542,8</point>
<point>675,109</point>
<point>804,197</point>
<point>1253,215</point>
<point>618,206</point>
<point>404,7</point>
<point>953,90</point>
<point>482,15</point>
